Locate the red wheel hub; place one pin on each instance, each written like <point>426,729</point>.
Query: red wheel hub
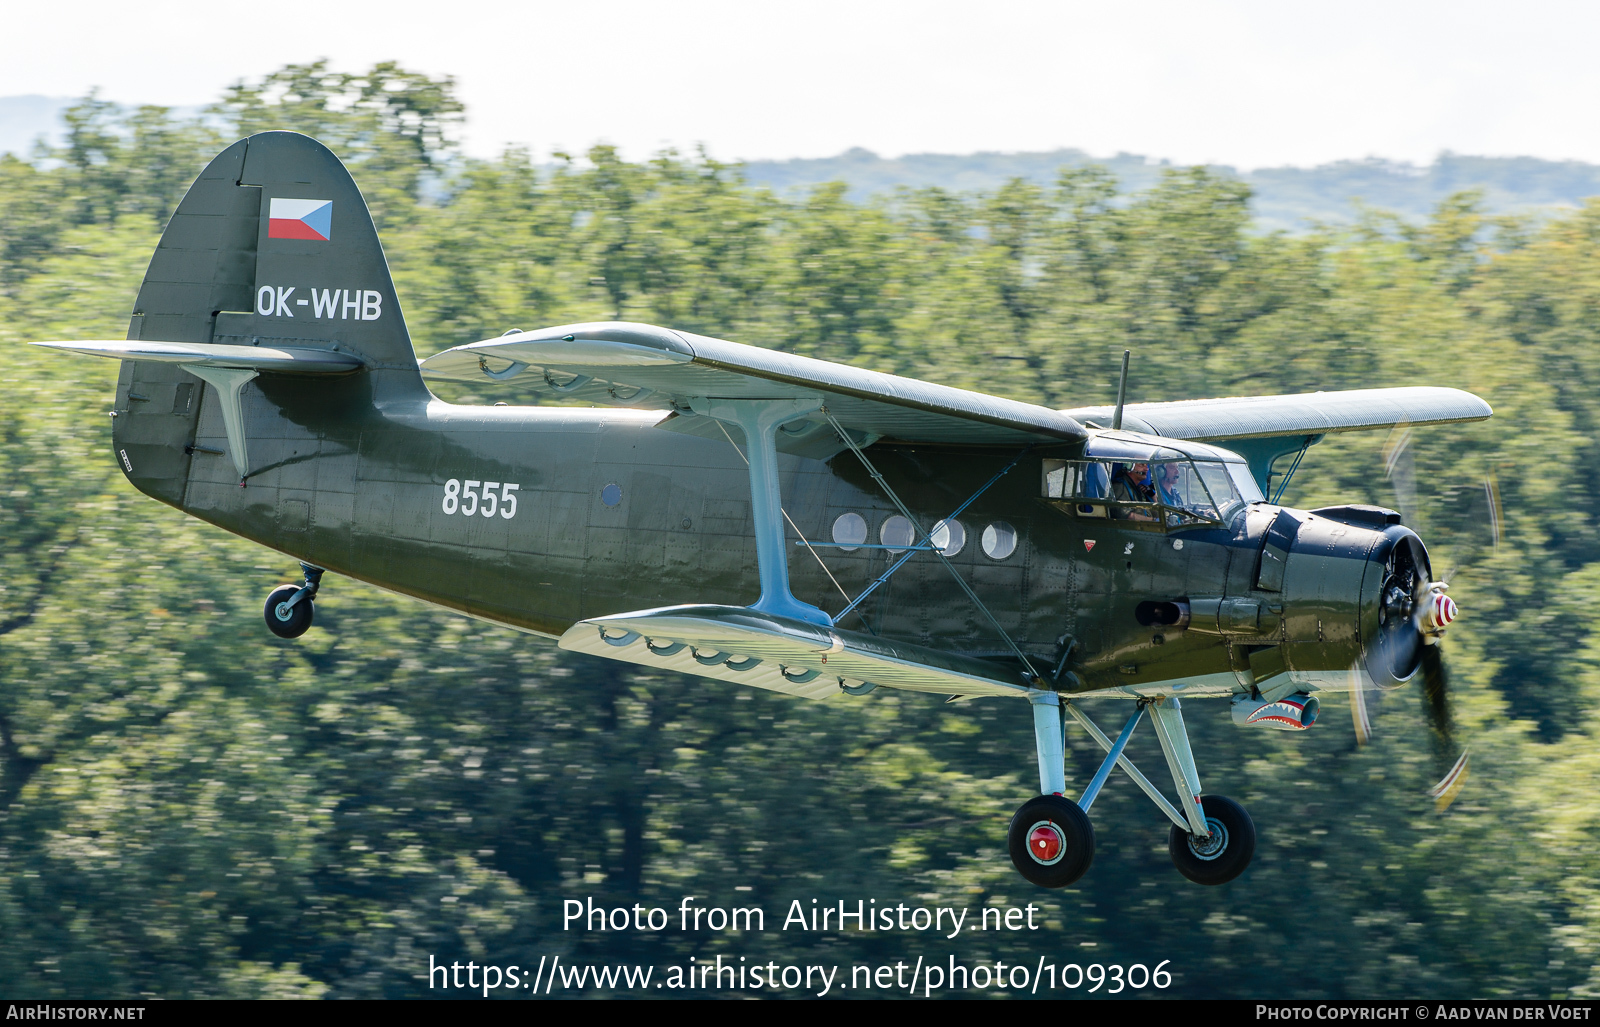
<point>1045,843</point>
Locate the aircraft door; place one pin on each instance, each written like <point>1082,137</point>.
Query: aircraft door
<point>1058,602</point>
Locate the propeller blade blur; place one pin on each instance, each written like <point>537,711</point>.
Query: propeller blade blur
<point>1400,468</point>
<point>1479,510</point>
<point>1491,492</point>
<point>1358,706</point>
<point>1448,756</point>
<point>1445,792</point>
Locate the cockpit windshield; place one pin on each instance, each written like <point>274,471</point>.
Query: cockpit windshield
<point>1165,490</point>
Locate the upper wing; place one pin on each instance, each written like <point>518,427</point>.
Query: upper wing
<point>641,365</point>
<point>1311,413</point>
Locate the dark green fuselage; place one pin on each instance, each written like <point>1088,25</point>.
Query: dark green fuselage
<point>352,472</point>
<point>360,490</point>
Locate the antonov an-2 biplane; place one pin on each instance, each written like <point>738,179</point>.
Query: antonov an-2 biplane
<point>898,534</point>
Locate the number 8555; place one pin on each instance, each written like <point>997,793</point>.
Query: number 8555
<point>465,497</point>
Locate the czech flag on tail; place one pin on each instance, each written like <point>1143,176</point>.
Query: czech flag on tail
<point>300,219</point>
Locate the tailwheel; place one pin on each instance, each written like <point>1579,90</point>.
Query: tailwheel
<point>284,620</point>
<point>1223,855</point>
<point>288,610</point>
<point>1052,841</point>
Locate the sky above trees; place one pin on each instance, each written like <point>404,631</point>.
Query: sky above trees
<point>1241,82</point>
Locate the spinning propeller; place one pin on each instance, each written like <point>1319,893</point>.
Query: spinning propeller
<point>1414,612</point>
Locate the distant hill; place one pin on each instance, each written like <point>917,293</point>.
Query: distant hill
<point>1285,198</point>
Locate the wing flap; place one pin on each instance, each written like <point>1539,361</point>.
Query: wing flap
<point>619,363</point>
<point>282,359</point>
<point>732,643</point>
<point>1312,413</point>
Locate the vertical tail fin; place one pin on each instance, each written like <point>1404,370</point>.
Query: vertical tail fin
<point>273,245</point>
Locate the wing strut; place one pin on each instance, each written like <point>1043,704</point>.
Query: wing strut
<point>759,419</point>
<point>1292,468</point>
<point>925,540</point>
<point>1122,761</point>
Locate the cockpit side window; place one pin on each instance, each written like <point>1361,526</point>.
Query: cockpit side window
<point>1165,492</point>
<point>1055,479</point>
<point>1181,493</point>
<point>1096,481</point>
<point>1245,482</point>
<point>1068,479</point>
<point>1224,488</point>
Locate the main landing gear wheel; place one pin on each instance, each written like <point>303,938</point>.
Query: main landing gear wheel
<point>1221,857</point>
<point>284,620</point>
<point>1052,841</point>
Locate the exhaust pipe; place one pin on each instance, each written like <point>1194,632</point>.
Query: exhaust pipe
<point>1292,713</point>
<point>1174,614</point>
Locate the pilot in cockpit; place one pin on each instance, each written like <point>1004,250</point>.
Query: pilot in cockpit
<point>1168,492</point>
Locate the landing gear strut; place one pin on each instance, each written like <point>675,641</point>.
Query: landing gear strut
<point>289,609</point>
<point>1052,840</point>
<point>1219,839</point>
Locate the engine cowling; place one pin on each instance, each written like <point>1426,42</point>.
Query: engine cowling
<point>1353,595</point>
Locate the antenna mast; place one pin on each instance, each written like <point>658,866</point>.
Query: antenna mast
<point>1122,392</point>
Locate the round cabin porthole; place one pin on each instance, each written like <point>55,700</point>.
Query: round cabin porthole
<point>611,495</point>
<point>896,531</point>
<point>949,536</point>
<point>850,531</point>
<point>999,540</point>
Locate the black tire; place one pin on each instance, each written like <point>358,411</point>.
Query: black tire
<point>299,618</point>
<point>1202,865</point>
<point>1068,855</point>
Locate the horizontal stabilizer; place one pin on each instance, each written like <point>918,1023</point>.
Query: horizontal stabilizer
<point>732,643</point>
<point>1311,413</point>
<point>281,359</point>
<point>618,363</point>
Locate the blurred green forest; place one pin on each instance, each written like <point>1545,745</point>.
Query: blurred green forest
<point>191,807</point>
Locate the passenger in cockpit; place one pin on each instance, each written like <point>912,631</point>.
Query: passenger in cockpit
<point>1130,483</point>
